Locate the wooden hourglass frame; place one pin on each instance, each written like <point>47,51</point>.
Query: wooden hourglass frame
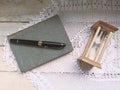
<point>97,43</point>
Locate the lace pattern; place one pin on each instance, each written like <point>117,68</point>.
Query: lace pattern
<point>77,22</point>
<point>110,61</point>
<point>77,5</point>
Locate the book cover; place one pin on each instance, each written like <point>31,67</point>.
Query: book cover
<point>29,57</point>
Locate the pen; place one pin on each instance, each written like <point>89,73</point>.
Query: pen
<point>48,44</point>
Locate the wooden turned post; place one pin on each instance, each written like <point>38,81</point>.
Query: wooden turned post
<point>93,39</point>
<point>104,47</point>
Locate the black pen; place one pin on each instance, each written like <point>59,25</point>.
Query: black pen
<point>48,44</point>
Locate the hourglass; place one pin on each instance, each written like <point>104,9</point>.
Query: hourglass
<point>97,43</point>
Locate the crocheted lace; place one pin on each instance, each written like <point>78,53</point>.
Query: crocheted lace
<point>77,17</point>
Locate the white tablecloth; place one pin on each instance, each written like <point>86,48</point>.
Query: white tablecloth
<point>64,73</point>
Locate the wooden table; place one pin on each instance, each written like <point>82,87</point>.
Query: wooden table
<point>9,79</point>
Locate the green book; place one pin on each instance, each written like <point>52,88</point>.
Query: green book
<point>28,57</point>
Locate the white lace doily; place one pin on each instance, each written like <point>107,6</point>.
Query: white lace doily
<point>77,17</point>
